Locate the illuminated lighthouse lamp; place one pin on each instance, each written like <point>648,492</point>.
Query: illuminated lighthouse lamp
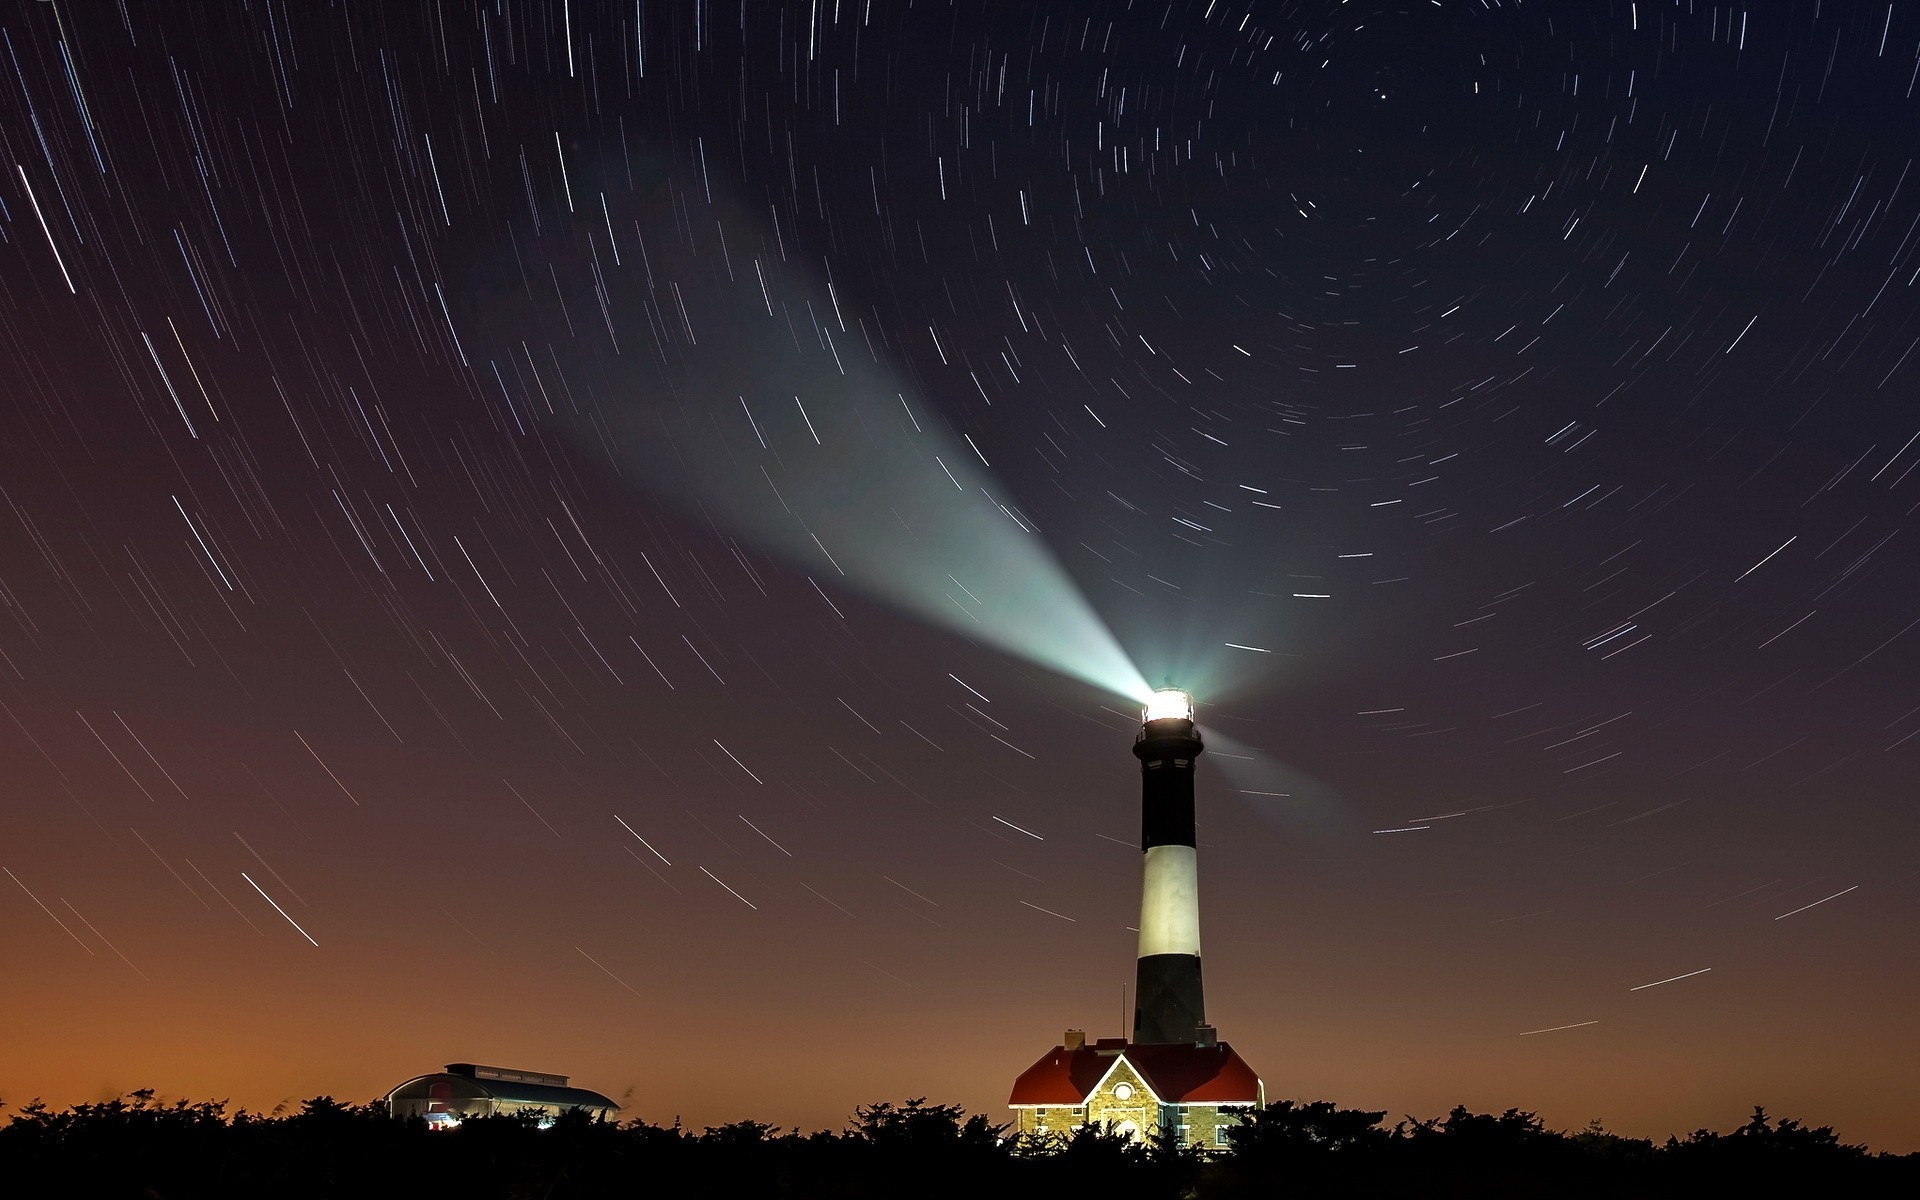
<point>1168,704</point>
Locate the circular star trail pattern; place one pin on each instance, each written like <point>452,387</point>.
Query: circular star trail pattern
<point>1500,414</point>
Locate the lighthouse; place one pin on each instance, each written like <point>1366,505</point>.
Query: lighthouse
<point>1168,1004</point>
<point>1169,1074</point>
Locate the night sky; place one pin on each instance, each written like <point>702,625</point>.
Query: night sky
<point>628,540</point>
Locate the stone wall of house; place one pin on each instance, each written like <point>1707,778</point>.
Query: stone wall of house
<point>1205,1121</point>
<point>1062,1119</point>
<point>1124,1100</point>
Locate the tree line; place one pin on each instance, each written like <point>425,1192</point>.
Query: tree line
<point>143,1148</point>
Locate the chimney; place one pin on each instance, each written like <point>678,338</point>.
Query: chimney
<point>1206,1035</point>
<point>1076,1039</point>
<point>1168,1003</point>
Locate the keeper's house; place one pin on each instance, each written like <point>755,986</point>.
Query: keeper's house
<point>465,1090</point>
<point>1140,1090</point>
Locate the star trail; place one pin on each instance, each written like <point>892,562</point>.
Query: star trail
<point>631,538</point>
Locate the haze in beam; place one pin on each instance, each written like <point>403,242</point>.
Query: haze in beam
<point>1308,810</point>
<point>781,419</point>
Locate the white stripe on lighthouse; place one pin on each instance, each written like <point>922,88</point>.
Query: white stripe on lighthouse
<point>1170,902</point>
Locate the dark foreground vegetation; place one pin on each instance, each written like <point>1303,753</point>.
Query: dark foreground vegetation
<point>140,1147</point>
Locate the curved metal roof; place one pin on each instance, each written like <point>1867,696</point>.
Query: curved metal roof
<point>556,1098</point>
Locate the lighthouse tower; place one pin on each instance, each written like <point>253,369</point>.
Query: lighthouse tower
<point>1168,1005</point>
<point>1171,1074</point>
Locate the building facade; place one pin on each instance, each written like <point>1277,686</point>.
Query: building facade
<point>446,1098</point>
<point>1136,1089</point>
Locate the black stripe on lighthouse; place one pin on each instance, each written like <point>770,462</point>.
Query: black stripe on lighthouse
<point>1169,1005</point>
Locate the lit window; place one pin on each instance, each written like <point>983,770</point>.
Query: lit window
<point>1123,1091</point>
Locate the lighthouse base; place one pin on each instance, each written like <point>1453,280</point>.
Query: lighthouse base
<point>1167,1005</point>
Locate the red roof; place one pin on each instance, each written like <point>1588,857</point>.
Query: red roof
<point>1178,1073</point>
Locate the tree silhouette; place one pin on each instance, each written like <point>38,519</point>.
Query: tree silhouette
<point>144,1148</point>
<point>1317,1147</point>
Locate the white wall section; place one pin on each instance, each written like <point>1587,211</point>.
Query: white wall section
<point>1170,902</point>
